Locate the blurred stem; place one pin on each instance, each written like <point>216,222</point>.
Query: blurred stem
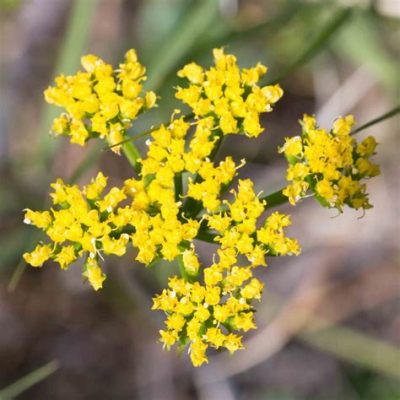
<point>23,384</point>
<point>268,27</point>
<point>16,276</point>
<point>92,156</point>
<point>318,44</point>
<point>194,24</point>
<point>356,347</point>
<point>387,115</point>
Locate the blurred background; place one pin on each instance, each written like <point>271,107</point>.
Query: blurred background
<point>329,321</point>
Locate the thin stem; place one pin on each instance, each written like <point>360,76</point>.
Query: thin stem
<point>275,199</point>
<point>178,183</point>
<point>206,236</point>
<point>381,118</point>
<point>132,154</point>
<point>184,274</point>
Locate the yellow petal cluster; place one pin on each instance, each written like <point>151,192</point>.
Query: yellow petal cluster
<point>100,101</point>
<point>330,165</point>
<point>228,94</point>
<point>214,312</point>
<point>82,224</point>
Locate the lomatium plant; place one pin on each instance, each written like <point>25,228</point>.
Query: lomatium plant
<point>179,192</point>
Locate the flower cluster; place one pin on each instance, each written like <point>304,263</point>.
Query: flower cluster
<point>100,102</point>
<point>329,165</point>
<point>208,314</point>
<point>82,223</point>
<point>177,195</point>
<point>230,95</point>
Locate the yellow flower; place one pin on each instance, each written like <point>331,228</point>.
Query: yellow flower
<point>198,352</point>
<point>100,102</point>
<point>215,337</point>
<point>38,256</point>
<point>40,219</point>
<point>328,164</point>
<point>367,147</point>
<point>293,147</point>
<point>342,126</point>
<point>168,338</point>
<point>325,190</point>
<point>94,189</point>
<point>232,94</point>
<point>94,274</point>
<point>191,262</point>
<point>66,256</point>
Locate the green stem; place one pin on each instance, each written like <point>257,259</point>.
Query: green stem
<point>132,154</point>
<point>275,199</point>
<point>381,118</point>
<point>178,184</point>
<point>184,274</point>
<point>206,236</point>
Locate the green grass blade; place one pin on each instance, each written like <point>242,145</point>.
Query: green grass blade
<point>181,41</point>
<point>361,43</point>
<point>341,18</point>
<point>357,348</point>
<point>72,48</point>
<point>264,29</point>
<point>25,383</point>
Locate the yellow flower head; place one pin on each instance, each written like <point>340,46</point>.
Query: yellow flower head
<point>229,95</point>
<point>94,274</point>
<point>100,102</point>
<point>181,194</point>
<point>329,165</point>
